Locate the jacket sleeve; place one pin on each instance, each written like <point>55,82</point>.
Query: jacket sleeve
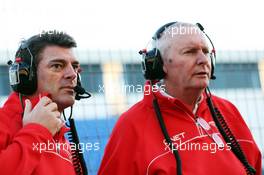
<point>253,153</point>
<point>21,153</point>
<point>258,165</point>
<point>242,132</point>
<point>119,156</point>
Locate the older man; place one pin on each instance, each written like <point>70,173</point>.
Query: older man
<point>173,131</point>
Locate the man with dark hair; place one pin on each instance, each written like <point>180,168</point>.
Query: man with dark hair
<point>43,77</point>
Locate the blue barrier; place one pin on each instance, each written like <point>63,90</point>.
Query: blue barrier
<point>93,135</point>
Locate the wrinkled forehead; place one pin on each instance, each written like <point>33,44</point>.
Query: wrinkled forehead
<point>51,53</point>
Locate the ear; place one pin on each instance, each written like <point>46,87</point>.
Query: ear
<point>165,69</point>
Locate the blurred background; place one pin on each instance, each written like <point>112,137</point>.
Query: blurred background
<point>109,35</point>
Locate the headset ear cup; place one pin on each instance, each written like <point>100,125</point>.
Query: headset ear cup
<point>20,79</point>
<point>22,73</point>
<point>159,69</point>
<point>152,65</point>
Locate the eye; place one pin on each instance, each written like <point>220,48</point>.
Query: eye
<point>76,67</point>
<point>206,51</point>
<point>190,51</point>
<point>57,66</point>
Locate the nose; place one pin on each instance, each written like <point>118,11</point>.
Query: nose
<point>203,58</point>
<point>70,73</point>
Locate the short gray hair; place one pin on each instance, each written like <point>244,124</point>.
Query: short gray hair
<point>170,33</point>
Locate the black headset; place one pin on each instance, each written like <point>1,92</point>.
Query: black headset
<point>23,73</point>
<point>152,64</point>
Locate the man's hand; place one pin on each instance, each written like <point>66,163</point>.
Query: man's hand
<point>44,113</point>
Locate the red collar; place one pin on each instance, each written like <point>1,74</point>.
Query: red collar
<point>168,102</point>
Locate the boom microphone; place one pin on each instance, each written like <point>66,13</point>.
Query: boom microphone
<point>81,93</point>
